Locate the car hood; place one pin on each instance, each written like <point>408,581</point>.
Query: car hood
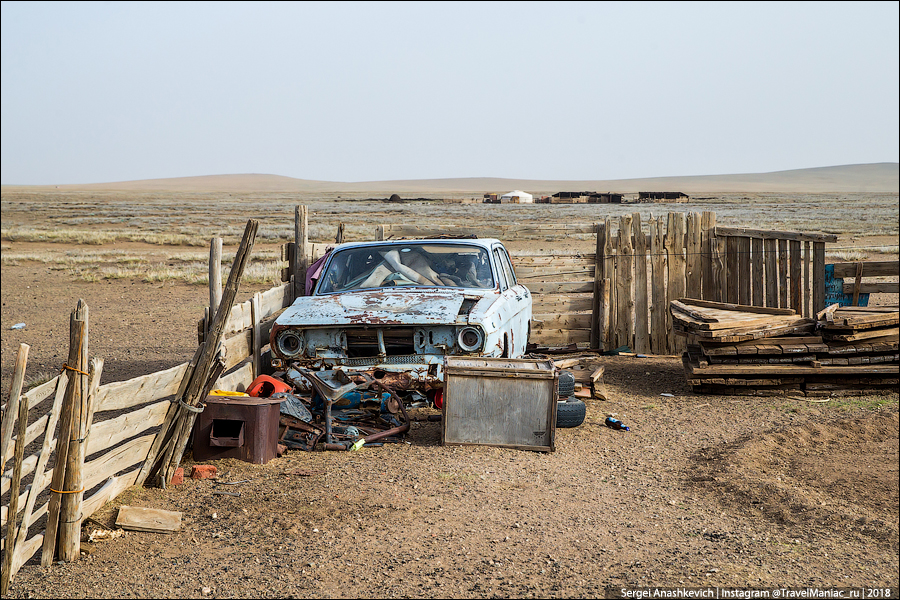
<point>381,307</point>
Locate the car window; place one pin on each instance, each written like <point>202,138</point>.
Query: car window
<point>507,267</point>
<point>501,272</point>
<point>407,264</point>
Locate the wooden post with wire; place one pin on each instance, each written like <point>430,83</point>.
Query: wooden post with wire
<point>78,345</point>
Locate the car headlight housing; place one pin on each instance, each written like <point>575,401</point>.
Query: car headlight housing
<point>470,339</point>
<point>291,343</point>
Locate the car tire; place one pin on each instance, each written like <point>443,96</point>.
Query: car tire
<point>570,412</point>
<point>566,384</point>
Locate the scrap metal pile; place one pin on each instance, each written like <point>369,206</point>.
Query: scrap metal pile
<point>747,350</point>
<point>334,410</point>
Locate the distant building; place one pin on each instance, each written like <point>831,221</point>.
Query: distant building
<point>662,196</point>
<point>517,197</point>
<point>585,198</point>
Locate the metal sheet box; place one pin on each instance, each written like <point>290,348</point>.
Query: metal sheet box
<point>503,402</point>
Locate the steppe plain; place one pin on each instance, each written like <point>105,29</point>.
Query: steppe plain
<point>703,491</point>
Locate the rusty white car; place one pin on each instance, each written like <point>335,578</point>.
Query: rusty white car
<point>393,310</point>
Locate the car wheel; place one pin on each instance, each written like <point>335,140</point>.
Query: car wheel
<point>566,384</point>
<point>570,412</point>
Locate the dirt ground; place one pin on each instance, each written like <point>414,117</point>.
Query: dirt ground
<point>702,491</point>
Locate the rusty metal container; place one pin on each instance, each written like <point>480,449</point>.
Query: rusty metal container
<point>241,427</point>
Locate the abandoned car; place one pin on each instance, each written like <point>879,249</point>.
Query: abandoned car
<point>393,310</point>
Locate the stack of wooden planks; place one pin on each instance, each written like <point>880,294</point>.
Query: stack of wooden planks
<point>749,350</point>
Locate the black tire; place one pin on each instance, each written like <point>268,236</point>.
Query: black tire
<point>570,412</point>
<point>566,384</point>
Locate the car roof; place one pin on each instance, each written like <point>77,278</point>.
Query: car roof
<point>481,242</point>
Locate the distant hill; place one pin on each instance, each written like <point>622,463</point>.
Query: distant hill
<point>873,178</point>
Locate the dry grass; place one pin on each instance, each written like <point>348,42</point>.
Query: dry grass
<point>184,221</point>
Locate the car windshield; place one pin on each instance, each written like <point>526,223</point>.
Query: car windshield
<point>415,264</point>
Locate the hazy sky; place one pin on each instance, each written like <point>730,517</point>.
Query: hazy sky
<point>97,92</point>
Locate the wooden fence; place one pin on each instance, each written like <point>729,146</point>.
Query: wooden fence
<point>124,421</point>
<point>619,295</point>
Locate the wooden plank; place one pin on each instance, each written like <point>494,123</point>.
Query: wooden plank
<point>102,468</point>
<point>807,292</point>
<point>732,269</point>
<point>726,319</point>
<point>765,310</point>
<point>301,239</point>
<point>609,272</point>
<point>31,433</point>
<point>156,520</point>
<point>106,434</point>
<point>238,380</point>
<point>780,235</point>
<point>584,273</point>
<point>717,247</point>
<point>864,335</point>
<point>122,395</point>
<point>791,369</point>
<point>561,321</point>
<point>538,251</point>
<point>596,308</point>
<point>692,274</point>
<point>603,319</point>
<point>18,456</point>
<point>641,300</point>
<point>624,280</point>
<point>795,277</point>
<point>560,287</point>
<point>744,274</point>
<point>757,272</point>
<point>890,287</point>
<point>12,406</point>
<point>659,307</point>
<point>676,264</point>
<point>257,342</point>
<point>707,243</point>
<point>783,273</point>
<point>870,268</point>
<point>562,261</point>
<point>560,337</point>
<point>215,274</point>
<point>818,276</point>
<point>562,303</point>
<point>38,484</point>
<point>110,490</point>
<point>770,247</point>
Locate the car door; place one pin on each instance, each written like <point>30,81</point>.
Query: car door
<point>517,297</point>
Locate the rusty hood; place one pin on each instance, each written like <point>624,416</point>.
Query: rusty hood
<point>403,306</point>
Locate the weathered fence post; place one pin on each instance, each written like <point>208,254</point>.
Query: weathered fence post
<point>18,454</point>
<point>609,272</point>
<point>659,307</point>
<point>209,364</point>
<point>818,269</point>
<point>708,249</point>
<point>692,254</point>
<point>61,504</point>
<point>596,340</point>
<point>215,278</point>
<point>301,243</point>
<point>12,407</point>
<point>676,265</point>
<point>624,278</point>
<point>256,341</point>
<point>641,301</point>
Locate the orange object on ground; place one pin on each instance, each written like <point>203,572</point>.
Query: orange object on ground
<point>264,386</point>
